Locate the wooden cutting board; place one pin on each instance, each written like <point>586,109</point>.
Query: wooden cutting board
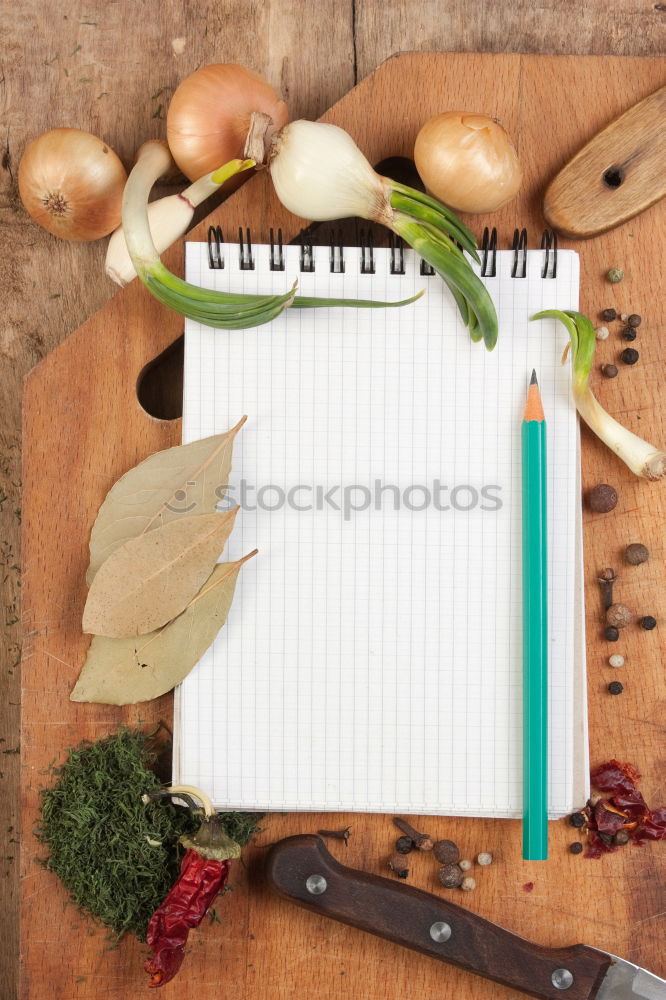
<point>84,427</point>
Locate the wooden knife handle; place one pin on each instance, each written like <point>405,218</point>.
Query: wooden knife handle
<point>619,173</point>
<point>414,918</point>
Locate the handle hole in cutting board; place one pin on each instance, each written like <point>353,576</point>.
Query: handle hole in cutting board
<point>159,387</point>
<point>613,177</point>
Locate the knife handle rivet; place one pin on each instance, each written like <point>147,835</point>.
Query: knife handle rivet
<point>316,884</point>
<point>562,979</point>
<point>440,931</point>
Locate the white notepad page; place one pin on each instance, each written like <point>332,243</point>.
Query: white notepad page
<point>371,660</point>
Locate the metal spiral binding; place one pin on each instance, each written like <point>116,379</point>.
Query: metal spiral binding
<point>276,259</point>
<point>489,251</point>
<point>367,256</point>
<point>396,246</point>
<point>215,254</point>
<point>306,256</point>
<point>245,258</point>
<point>549,244</point>
<point>519,247</point>
<point>336,255</point>
<point>367,252</point>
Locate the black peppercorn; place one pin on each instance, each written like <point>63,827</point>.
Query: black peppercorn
<point>621,837</point>
<point>636,553</point>
<point>577,819</point>
<point>576,847</point>
<point>446,851</point>
<point>628,333</point>
<point>611,633</point>
<point>634,320</point>
<point>615,687</point>
<point>610,371</point>
<point>602,498</point>
<point>608,315</point>
<point>648,622</point>
<point>629,356</point>
<point>451,876</point>
<point>404,845</point>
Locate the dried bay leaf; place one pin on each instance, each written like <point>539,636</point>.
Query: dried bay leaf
<point>124,671</point>
<point>151,579</point>
<point>182,481</point>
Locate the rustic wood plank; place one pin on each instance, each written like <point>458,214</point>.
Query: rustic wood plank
<point>313,54</point>
<point>109,68</point>
<point>558,27</point>
<point>250,950</point>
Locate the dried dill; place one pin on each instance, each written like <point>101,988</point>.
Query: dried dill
<point>117,856</point>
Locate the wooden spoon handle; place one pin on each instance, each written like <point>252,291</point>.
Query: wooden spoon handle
<point>302,870</point>
<point>618,174</point>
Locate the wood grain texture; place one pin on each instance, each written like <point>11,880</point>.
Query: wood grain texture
<point>404,915</point>
<point>84,426</point>
<point>618,174</point>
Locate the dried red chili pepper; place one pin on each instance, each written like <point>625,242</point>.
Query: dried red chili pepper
<point>204,873</point>
<point>626,809</point>
<point>654,827</point>
<point>607,819</point>
<point>615,777</point>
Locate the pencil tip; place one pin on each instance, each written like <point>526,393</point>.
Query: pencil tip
<point>533,380</point>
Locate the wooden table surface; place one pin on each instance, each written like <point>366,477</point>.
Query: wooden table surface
<point>111,68</point>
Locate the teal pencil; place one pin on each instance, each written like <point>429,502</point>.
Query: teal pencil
<point>535,629</point>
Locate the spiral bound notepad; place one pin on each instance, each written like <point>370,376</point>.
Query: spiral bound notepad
<point>371,660</point>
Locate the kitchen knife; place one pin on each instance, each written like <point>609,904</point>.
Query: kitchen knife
<point>302,870</point>
<point>619,173</point>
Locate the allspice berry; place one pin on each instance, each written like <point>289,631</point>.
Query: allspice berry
<point>636,553</point>
<point>450,876</point>
<point>446,852</point>
<point>610,371</point>
<point>399,865</point>
<point>602,498</point>
<point>618,615</point>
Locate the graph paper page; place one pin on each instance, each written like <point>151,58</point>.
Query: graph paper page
<point>371,660</point>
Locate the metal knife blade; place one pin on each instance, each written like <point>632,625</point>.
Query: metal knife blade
<point>626,981</point>
<point>302,870</point>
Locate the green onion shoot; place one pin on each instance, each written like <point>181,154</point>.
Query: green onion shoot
<point>642,458</point>
<point>211,308</point>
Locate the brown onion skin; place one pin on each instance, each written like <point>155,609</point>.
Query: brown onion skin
<point>80,177</point>
<point>209,116</point>
<point>468,161</point>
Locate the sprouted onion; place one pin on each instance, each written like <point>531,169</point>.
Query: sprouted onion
<point>642,458</point>
<point>211,308</point>
<point>319,173</point>
<point>169,219</point>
